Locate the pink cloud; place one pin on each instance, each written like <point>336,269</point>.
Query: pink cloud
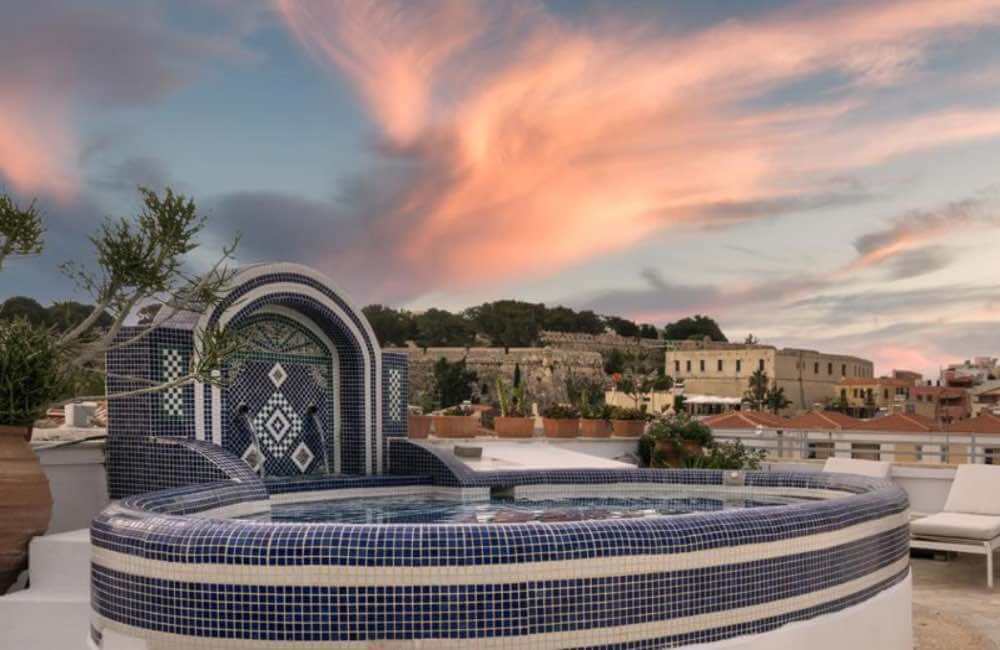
<point>533,143</point>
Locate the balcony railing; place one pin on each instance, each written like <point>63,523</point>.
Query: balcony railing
<point>938,448</point>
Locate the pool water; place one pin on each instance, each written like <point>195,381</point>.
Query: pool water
<point>426,510</point>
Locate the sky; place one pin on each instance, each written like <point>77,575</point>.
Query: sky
<point>821,174</point>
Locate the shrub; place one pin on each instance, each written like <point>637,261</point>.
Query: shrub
<point>626,413</point>
<point>561,412</point>
<point>453,382</point>
<point>680,429</point>
<point>31,372</point>
<point>602,412</point>
<point>728,455</point>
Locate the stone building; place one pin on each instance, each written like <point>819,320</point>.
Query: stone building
<point>808,377</point>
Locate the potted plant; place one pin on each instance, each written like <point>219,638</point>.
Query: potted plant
<point>628,422</point>
<point>513,421</point>
<point>455,422</point>
<point>595,421</point>
<point>728,455</point>
<point>561,421</point>
<point>418,425</point>
<point>678,438</point>
<point>30,380</point>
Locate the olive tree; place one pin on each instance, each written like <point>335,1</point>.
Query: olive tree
<point>141,266</point>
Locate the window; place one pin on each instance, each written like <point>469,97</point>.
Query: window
<point>820,450</point>
<point>677,366</point>
<point>739,365</point>
<point>720,365</point>
<point>689,365</point>
<point>760,364</point>
<point>885,394</point>
<point>701,365</point>
<point>865,451</point>
<point>829,368</point>
<point>843,370</point>
<point>855,392</point>
<point>816,368</point>
<point>991,455</point>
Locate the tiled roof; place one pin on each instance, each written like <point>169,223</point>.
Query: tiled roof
<point>983,423</point>
<point>899,423</point>
<point>823,420</point>
<point>744,420</point>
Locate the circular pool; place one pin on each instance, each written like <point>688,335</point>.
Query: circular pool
<point>438,510</point>
<point>623,559</point>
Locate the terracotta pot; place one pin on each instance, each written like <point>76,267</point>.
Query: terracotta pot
<point>25,502</point>
<point>673,456</point>
<point>455,426</point>
<point>595,428</point>
<point>561,427</point>
<point>511,427</point>
<point>418,426</point>
<point>628,428</point>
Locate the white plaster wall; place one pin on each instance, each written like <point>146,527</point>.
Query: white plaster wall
<point>78,483</point>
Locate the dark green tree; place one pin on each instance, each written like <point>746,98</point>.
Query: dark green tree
<point>440,328</point>
<point>508,323</point>
<point>696,326</point>
<point>392,327</point>
<point>622,326</point>
<point>647,331</point>
<point>614,362</point>
<point>757,391</point>
<point>453,382</point>
<point>26,308</point>
<point>66,315</point>
<point>775,399</point>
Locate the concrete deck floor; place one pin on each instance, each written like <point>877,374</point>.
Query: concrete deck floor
<point>952,607</point>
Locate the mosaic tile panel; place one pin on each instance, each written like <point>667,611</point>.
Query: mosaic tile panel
<point>357,403</point>
<point>609,583</point>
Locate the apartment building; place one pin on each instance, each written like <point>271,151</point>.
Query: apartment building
<point>865,396</point>
<point>808,377</point>
<point>943,404</point>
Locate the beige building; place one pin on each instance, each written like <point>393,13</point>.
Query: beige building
<point>865,396</point>
<point>723,369</point>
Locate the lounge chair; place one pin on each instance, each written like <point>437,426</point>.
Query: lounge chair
<point>875,468</point>
<point>970,521</point>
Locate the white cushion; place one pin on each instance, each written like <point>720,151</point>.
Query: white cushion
<point>957,525</point>
<point>874,468</point>
<point>975,490</point>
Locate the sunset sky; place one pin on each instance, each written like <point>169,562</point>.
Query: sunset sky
<point>821,174</point>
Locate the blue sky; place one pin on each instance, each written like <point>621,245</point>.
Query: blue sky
<point>821,174</point>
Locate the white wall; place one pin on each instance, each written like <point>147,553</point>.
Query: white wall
<point>78,483</point>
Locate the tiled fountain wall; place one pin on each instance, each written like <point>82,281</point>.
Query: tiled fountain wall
<point>309,351</point>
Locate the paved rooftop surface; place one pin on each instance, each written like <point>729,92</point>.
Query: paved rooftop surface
<point>952,607</point>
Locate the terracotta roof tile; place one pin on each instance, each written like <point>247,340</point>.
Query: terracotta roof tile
<point>823,420</point>
<point>744,420</point>
<point>983,423</point>
<point>899,423</point>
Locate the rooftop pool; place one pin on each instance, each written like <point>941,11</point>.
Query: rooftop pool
<point>424,510</point>
<point>600,558</point>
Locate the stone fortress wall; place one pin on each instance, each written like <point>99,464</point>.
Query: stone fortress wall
<point>544,370</point>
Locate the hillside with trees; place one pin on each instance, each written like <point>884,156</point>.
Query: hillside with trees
<point>517,324</point>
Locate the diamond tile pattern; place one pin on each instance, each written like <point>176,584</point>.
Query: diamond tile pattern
<point>302,457</point>
<point>277,375</point>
